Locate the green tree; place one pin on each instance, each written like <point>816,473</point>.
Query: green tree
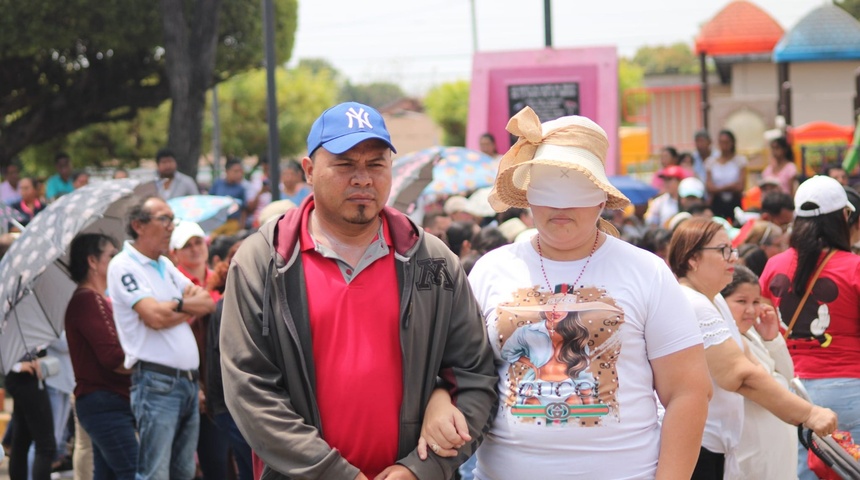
<point>850,6</point>
<point>667,59</point>
<point>630,77</point>
<point>65,65</point>
<point>448,106</point>
<point>303,93</point>
<point>376,94</point>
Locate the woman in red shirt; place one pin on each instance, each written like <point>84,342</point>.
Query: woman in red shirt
<point>102,384</point>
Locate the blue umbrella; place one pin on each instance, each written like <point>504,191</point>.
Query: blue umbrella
<point>440,170</point>
<point>209,211</point>
<point>637,191</point>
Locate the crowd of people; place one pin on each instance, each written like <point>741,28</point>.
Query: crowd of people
<point>541,328</point>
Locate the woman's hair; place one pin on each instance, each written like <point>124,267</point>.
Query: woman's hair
<point>654,240</point>
<point>783,144</point>
<point>217,281</point>
<point>742,276</point>
<point>854,198</point>
<point>731,136</point>
<point>688,240</point>
<point>811,235</point>
<point>83,247</point>
<point>574,343</point>
<point>673,152</point>
<point>489,238</point>
<point>458,233</point>
<point>763,233</point>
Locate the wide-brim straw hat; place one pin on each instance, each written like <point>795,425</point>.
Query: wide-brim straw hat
<point>573,142</point>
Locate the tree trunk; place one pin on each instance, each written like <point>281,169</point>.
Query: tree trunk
<point>190,60</point>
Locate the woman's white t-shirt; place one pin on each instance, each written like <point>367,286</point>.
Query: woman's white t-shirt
<point>601,422</point>
<point>726,409</point>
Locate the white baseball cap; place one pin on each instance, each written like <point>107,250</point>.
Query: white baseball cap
<point>691,187</point>
<point>825,192</point>
<point>183,232</point>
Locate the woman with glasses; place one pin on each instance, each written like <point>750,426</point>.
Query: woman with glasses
<point>814,286</point>
<point>701,256</point>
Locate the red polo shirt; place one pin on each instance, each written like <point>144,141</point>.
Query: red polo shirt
<point>354,320</point>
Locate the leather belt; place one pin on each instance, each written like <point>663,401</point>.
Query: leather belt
<point>191,375</point>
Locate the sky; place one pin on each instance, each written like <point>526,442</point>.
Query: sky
<point>419,43</point>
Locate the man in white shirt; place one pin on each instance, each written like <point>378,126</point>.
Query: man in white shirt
<point>152,303</point>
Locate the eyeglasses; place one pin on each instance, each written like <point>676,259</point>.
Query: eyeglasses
<point>727,251</point>
<point>165,220</point>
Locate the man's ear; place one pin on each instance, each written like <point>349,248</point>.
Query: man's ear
<point>308,167</point>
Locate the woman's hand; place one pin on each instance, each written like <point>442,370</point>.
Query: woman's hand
<point>768,324</point>
<point>444,429</point>
<point>821,420</point>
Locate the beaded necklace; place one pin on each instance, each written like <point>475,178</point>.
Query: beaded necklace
<point>575,282</point>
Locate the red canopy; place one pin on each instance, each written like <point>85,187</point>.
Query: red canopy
<point>738,29</point>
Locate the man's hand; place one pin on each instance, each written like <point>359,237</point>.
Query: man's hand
<point>395,472</point>
<point>192,290</point>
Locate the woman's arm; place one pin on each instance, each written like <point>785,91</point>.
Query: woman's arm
<point>684,389</point>
<point>732,371</point>
<point>741,182</point>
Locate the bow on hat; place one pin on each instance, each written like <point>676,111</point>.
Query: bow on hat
<point>577,132</point>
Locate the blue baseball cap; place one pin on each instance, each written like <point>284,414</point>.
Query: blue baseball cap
<point>346,125</point>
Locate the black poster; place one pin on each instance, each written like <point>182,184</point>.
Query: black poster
<point>548,100</point>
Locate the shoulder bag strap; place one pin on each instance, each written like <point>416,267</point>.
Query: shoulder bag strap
<point>808,291</point>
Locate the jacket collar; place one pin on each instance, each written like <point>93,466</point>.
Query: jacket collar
<point>284,235</point>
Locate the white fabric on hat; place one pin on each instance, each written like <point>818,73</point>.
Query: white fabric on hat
<point>823,191</point>
<point>558,187</point>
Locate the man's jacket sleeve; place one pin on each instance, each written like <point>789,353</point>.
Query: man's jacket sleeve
<point>254,386</point>
<point>469,374</point>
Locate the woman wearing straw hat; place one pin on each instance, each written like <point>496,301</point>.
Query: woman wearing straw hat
<point>557,169</point>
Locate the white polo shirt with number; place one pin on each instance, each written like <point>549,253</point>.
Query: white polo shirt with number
<point>132,277</point>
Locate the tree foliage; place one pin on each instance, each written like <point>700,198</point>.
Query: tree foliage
<point>630,77</point>
<point>448,106</point>
<point>302,94</point>
<point>376,94</point>
<point>850,6</point>
<point>65,65</point>
<point>667,59</point>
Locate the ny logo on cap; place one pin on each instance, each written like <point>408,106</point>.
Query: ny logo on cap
<point>360,116</point>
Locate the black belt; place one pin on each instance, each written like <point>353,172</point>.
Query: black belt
<point>191,375</point>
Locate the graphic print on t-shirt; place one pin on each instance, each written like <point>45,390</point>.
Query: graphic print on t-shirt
<point>561,349</point>
<point>814,317</point>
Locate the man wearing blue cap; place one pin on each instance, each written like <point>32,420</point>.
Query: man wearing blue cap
<point>341,318</point>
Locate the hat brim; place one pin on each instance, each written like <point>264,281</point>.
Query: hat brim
<point>508,195</point>
<point>343,143</point>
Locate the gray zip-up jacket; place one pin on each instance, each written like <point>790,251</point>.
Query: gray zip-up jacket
<point>267,358</point>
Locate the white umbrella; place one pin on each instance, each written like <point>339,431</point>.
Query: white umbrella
<point>35,286</point>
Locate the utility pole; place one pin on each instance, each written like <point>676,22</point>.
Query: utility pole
<point>547,23</point>
<point>216,135</point>
<point>271,104</point>
<point>474,28</point>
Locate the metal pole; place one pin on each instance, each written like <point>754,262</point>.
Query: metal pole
<point>547,23</point>
<point>474,29</point>
<point>704,88</point>
<point>271,104</point>
<point>856,93</point>
<point>216,135</point>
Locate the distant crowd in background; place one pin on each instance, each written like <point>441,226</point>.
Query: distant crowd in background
<point>708,183</point>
